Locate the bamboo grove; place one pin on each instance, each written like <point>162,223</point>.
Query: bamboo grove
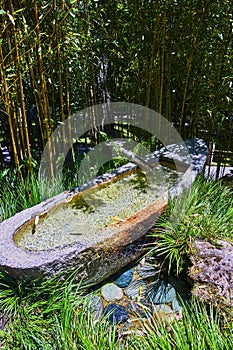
<point>60,56</point>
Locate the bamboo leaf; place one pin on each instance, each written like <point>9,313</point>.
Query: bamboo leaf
<point>11,18</point>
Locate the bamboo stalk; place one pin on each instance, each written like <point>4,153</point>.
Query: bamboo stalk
<point>59,65</point>
<point>8,111</point>
<point>19,122</point>
<point>43,90</point>
<point>163,58</point>
<point>151,64</point>
<point>16,124</point>
<point>69,115</point>
<point>189,64</point>
<point>36,98</point>
<point>33,78</point>
<point>21,90</point>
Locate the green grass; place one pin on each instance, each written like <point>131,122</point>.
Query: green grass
<point>56,315</point>
<point>15,194</point>
<point>200,329</point>
<point>205,212</point>
<point>50,315</point>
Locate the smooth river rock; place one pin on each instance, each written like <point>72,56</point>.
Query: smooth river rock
<point>111,292</point>
<point>147,271</point>
<point>124,280</point>
<point>161,292</point>
<point>116,313</point>
<point>136,289</point>
<point>95,306</point>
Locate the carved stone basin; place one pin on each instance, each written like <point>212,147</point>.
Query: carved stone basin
<point>62,233</point>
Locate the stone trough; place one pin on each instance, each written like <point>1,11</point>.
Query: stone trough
<point>102,250</point>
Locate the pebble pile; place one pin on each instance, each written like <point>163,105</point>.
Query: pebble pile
<point>140,294</point>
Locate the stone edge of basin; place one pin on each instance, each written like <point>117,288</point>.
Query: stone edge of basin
<point>103,258</point>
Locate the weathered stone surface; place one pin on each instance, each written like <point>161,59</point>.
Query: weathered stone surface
<point>142,309</point>
<point>176,305</point>
<point>136,289</point>
<point>212,272</point>
<point>147,271</point>
<point>111,292</point>
<point>161,292</point>
<point>124,280</point>
<point>95,306</point>
<point>97,258</point>
<point>165,312</point>
<point>163,308</point>
<point>198,152</point>
<point>117,314</point>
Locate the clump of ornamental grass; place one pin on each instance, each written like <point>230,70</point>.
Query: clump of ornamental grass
<point>56,314</point>
<point>205,211</point>
<point>17,194</point>
<point>201,328</point>
<point>53,314</point>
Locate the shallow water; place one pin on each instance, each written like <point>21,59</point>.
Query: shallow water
<point>91,212</point>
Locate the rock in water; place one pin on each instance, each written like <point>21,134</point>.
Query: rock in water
<point>124,280</point>
<point>161,292</point>
<point>117,314</point>
<point>111,292</point>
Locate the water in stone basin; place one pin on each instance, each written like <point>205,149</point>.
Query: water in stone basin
<point>94,211</point>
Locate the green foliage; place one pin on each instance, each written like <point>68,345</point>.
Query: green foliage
<point>56,314</point>
<point>199,329</point>
<point>171,56</point>
<point>50,315</point>
<point>205,212</point>
<point>16,194</point>
<point>112,164</point>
